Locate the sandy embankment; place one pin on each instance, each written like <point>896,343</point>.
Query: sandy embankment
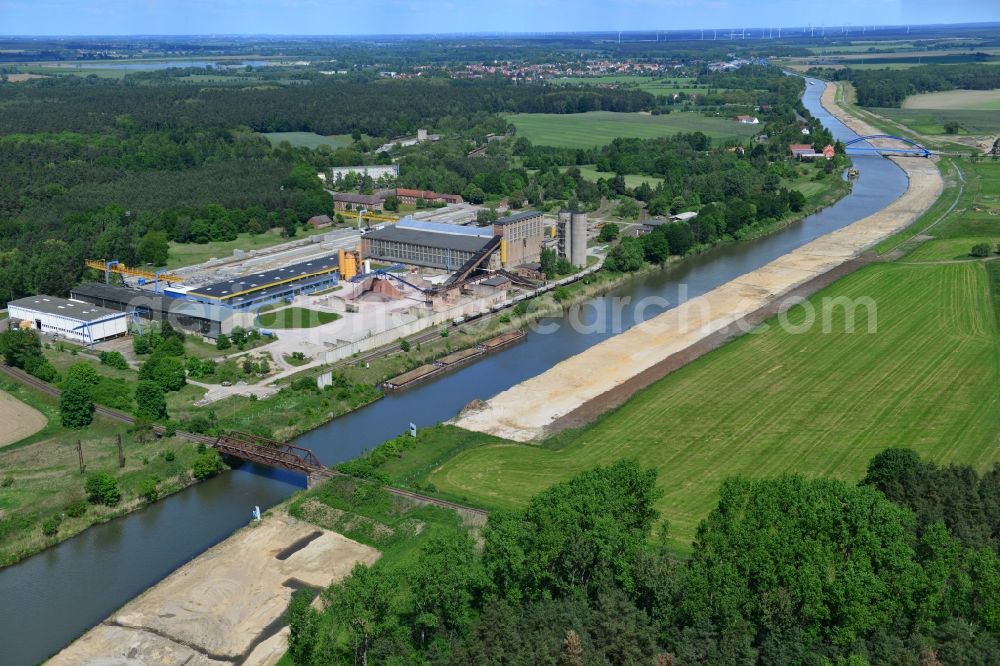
<point>544,404</point>
<point>225,606</point>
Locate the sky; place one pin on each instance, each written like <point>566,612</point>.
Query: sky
<point>366,17</point>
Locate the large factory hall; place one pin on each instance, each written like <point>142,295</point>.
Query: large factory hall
<point>393,278</point>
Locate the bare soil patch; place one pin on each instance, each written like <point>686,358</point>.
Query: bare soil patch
<point>18,419</point>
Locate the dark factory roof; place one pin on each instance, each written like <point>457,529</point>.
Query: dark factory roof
<point>142,299</point>
<point>518,217</point>
<point>267,282</point>
<point>457,242</point>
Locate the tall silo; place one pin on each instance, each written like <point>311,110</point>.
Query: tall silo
<point>563,234</point>
<point>578,240</point>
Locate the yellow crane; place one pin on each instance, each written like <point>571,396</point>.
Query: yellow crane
<point>114,266</point>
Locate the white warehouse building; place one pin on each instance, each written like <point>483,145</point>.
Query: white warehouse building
<point>65,318</point>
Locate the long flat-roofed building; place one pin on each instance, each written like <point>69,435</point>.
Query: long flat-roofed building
<point>428,244</point>
<point>258,289</point>
<point>67,318</point>
<point>190,316</point>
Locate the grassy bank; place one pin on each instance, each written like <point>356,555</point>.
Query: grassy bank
<point>816,403</point>
<point>40,477</point>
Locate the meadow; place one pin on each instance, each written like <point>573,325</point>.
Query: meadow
<point>295,318</point>
<point>655,85</point>
<point>974,219</point>
<point>820,404</point>
<point>590,172</point>
<point>932,121</point>
<point>970,100</point>
<point>597,128</point>
<point>309,140</point>
<point>40,476</point>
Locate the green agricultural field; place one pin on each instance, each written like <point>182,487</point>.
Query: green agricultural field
<point>975,218</point>
<point>932,121</point>
<point>654,85</point>
<point>590,172</point>
<point>970,100</point>
<point>816,403</point>
<point>598,128</point>
<point>296,318</point>
<point>309,139</point>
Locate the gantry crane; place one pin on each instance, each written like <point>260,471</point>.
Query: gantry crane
<point>115,266</point>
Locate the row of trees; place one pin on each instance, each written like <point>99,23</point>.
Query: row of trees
<point>889,87</point>
<point>783,571</point>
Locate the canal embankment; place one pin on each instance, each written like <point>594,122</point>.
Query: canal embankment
<point>557,398</point>
<point>226,606</point>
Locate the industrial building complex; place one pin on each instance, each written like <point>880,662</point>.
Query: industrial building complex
<point>424,271</point>
<point>189,316</point>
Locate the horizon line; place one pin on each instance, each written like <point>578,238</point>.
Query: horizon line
<point>858,27</point>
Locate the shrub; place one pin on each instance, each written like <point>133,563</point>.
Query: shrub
<point>305,384</point>
<point>102,488</point>
<point>207,465</point>
<point>7,482</point>
<point>609,232</point>
<point>980,250</point>
<point>147,489</point>
<point>114,359</point>
<point>405,345</point>
<point>84,373</point>
<point>76,509</point>
<point>169,456</point>
<point>112,393</point>
<point>222,342</point>
<point>51,525</point>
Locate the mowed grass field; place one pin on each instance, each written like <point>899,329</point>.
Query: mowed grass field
<point>817,403</point>
<point>655,85</point>
<point>309,139</point>
<point>931,121</point>
<point>598,128</point>
<point>296,318</point>
<point>590,172</point>
<point>975,218</point>
<point>971,100</point>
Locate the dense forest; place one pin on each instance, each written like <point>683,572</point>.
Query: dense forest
<point>93,166</point>
<point>889,87</point>
<point>382,108</point>
<point>902,568</point>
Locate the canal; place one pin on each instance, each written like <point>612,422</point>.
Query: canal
<point>55,596</point>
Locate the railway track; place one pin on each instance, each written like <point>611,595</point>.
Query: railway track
<point>127,419</point>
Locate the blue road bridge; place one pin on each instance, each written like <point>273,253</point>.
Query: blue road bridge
<point>861,145</point>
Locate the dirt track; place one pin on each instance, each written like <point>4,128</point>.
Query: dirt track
<point>225,606</point>
<point>576,390</point>
<point>19,420</point>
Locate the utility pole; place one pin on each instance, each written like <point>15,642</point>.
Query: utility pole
<point>121,453</point>
<point>79,453</point>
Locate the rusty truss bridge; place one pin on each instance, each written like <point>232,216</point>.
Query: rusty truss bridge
<point>255,448</point>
